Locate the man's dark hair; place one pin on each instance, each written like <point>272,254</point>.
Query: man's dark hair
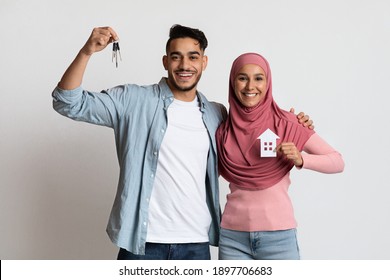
<point>180,31</point>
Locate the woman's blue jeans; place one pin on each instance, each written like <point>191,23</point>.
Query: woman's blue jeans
<point>258,245</point>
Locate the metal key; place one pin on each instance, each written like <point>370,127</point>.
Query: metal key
<point>115,51</point>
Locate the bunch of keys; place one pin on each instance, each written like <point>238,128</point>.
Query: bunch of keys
<point>115,51</point>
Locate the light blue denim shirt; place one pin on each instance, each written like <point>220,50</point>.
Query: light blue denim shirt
<point>138,115</point>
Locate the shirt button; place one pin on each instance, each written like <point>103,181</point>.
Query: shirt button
<point>162,130</point>
<point>152,175</point>
<point>155,153</point>
<point>144,223</point>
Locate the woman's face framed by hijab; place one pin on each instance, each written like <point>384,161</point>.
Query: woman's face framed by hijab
<point>250,85</point>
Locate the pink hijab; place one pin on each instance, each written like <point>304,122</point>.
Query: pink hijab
<point>237,138</point>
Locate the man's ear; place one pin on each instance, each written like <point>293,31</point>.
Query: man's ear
<point>165,62</point>
<point>205,61</point>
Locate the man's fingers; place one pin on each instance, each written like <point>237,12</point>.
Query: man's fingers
<point>104,35</point>
<point>113,34</point>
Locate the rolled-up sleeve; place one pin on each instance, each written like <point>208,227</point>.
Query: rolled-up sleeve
<point>93,107</point>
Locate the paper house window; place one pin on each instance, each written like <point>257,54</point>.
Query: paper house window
<point>268,146</point>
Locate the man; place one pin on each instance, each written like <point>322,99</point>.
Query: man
<point>167,201</point>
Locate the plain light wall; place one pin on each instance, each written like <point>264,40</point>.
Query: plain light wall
<point>329,59</point>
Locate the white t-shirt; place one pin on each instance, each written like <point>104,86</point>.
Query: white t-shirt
<point>178,212</point>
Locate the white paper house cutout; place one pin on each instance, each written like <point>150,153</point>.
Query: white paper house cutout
<point>268,143</point>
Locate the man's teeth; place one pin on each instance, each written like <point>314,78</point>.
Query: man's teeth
<point>185,75</point>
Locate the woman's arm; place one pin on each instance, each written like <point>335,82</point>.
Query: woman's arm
<point>319,156</point>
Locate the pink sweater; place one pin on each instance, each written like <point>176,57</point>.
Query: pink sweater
<point>271,209</point>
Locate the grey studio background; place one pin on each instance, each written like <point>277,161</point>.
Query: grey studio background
<point>329,59</point>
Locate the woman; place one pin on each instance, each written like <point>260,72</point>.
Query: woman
<point>258,145</point>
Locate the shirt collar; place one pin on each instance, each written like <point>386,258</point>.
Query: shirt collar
<point>167,95</point>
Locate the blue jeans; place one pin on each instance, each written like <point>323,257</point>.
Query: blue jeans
<point>160,251</point>
<point>258,245</point>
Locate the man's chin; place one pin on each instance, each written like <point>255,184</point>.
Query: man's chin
<point>185,88</point>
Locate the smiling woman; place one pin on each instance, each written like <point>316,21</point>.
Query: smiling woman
<point>258,209</point>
